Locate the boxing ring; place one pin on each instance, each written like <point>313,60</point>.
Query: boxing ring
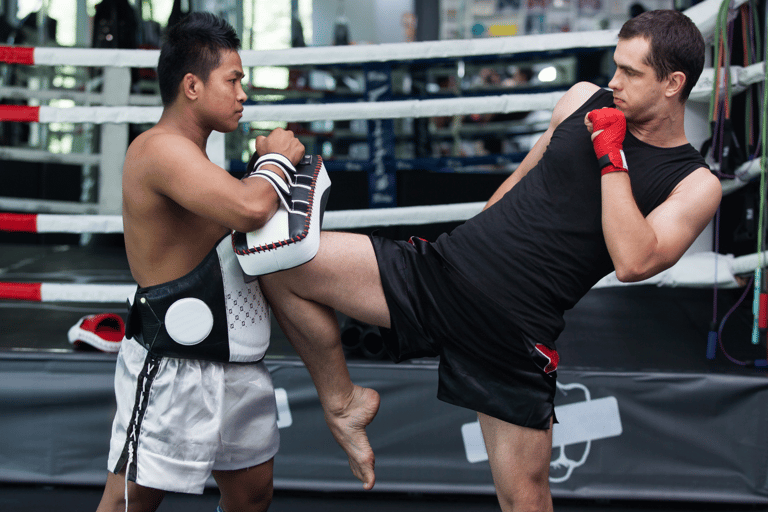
<point>644,411</point>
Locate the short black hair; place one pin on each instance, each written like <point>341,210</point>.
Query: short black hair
<point>676,44</point>
<point>193,45</point>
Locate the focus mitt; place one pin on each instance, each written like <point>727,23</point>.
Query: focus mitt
<point>292,236</point>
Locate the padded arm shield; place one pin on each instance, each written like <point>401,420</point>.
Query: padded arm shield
<point>292,236</point>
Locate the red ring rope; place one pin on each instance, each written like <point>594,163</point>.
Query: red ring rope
<point>21,291</point>
<point>17,55</point>
<point>20,113</point>
<point>18,222</point>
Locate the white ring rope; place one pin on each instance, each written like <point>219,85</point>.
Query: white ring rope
<point>67,292</point>
<point>41,155</point>
<point>332,220</point>
<point>703,15</point>
<point>355,54</point>
<point>79,224</point>
<point>23,93</point>
<point>693,270</point>
<point>504,103</point>
<point>16,204</point>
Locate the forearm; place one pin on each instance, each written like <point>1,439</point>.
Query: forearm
<point>261,197</point>
<point>630,239</point>
<point>249,207</point>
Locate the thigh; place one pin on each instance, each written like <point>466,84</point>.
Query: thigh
<point>519,459</point>
<point>248,434</point>
<point>248,489</point>
<point>344,275</point>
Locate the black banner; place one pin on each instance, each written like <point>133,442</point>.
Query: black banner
<point>622,435</point>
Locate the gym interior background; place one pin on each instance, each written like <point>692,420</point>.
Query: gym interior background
<point>672,417</point>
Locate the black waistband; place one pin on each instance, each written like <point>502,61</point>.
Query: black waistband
<point>146,316</point>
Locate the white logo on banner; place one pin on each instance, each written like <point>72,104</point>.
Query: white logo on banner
<point>284,418</point>
<point>578,423</point>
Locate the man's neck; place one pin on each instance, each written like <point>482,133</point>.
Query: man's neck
<point>181,120</point>
<point>666,131</point>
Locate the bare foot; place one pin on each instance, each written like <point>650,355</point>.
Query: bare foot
<point>348,428</point>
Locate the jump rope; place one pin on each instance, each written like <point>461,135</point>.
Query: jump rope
<point>722,138</point>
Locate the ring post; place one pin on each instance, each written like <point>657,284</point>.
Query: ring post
<point>382,190</point>
<point>114,141</point>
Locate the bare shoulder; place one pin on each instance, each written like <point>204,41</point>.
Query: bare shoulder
<point>574,98</point>
<point>156,145</point>
<point>714,188</point>
<point>157,157</point>
<point>703,183</point>
<point>701,191</point>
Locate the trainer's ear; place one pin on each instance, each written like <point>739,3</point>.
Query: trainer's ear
<point>675,83</point>
<point>190,86</point>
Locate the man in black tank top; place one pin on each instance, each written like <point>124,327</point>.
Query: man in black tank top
<point>488,298</point>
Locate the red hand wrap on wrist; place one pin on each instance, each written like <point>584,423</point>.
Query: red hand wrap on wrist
<point>608,144</point>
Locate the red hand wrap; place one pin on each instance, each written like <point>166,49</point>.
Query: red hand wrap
<point>608,144</point>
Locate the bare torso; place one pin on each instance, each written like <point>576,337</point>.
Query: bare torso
<point>163,240</point>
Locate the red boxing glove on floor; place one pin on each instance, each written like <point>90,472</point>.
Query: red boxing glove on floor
<point>609,142</point>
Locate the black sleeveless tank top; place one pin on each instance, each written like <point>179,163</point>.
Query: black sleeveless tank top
<point>540,248</point>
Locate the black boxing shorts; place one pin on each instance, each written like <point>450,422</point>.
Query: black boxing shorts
<point>486,363</point>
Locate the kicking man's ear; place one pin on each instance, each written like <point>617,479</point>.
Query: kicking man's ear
<point>675,82</point>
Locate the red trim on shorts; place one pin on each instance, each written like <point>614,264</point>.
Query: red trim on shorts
<point>552,356</point>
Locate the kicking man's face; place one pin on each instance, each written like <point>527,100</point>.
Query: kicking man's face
<point>636,89</point>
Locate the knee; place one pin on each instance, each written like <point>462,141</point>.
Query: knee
<point>527,503</point>
<point>528,494</point>
<point>252,500</point>
<point>279,286</point>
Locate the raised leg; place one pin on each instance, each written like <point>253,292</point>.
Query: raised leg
<point>343,276</point>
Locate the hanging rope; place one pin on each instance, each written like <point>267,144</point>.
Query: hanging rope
<point>758,270</point>
<point>722,137</point>
<point>716,148</point>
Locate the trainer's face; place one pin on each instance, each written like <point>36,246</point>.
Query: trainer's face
<point>636,90</point>
<point>223,93</point>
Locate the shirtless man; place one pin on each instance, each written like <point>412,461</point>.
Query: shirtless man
<point>489,297</point>
<point>194,397</point>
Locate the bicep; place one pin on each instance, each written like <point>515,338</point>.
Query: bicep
<point>679,220</point>
<point>186,176</point>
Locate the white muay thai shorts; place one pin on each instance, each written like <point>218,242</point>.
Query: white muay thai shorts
<point>179,419</point>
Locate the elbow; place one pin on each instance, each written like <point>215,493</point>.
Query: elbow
<point>632,270</point>
<point>627,274</point>
<point>638,271</point>
<point>252,218</point>
<point>637,263</point>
